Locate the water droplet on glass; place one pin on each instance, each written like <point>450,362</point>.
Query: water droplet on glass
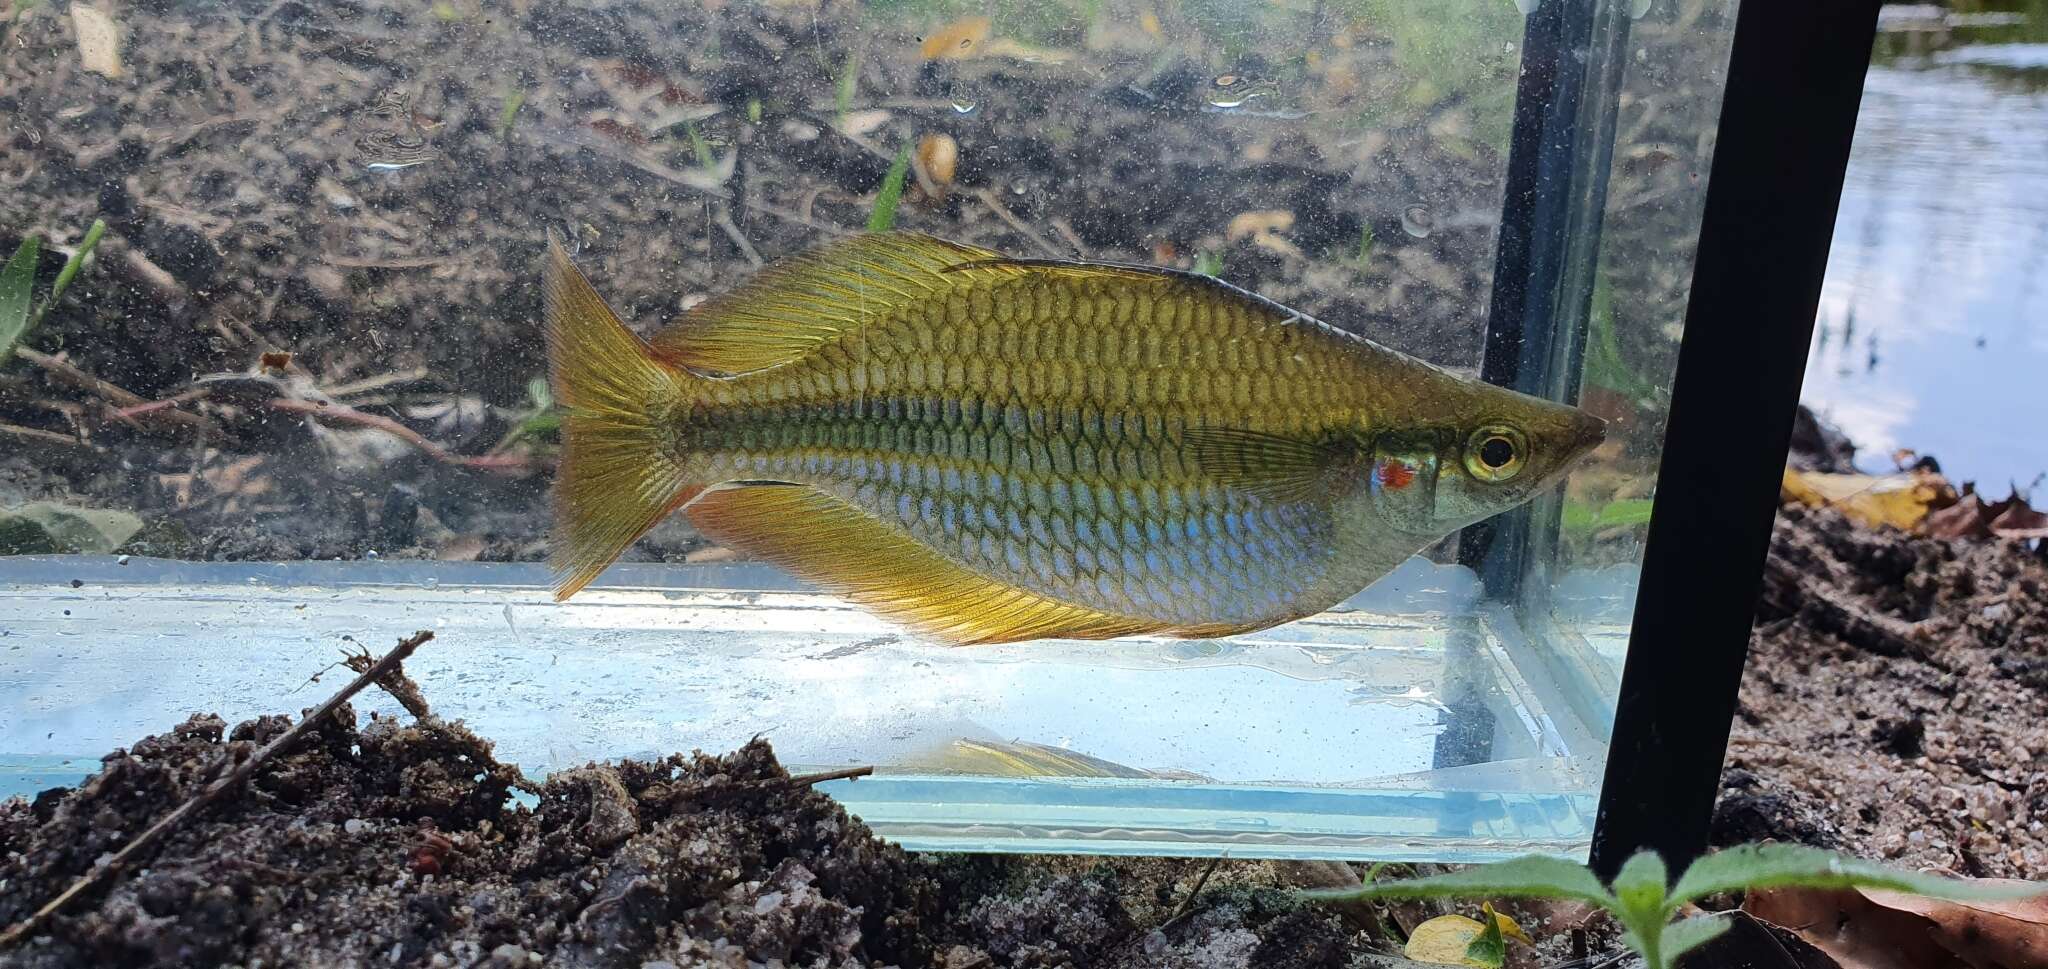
<point>1507,47</point>
<point>432,583</point>
<point>1418,221</point>
<point>965,104</point>
<point>123,560</point>
<point>1637,8</point>
<point>1527,7</point>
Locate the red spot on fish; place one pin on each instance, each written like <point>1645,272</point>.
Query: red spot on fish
<point>1395,475</point>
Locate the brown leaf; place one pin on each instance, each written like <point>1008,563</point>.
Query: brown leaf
<point>1853,930</point>
<point>1986,935</point>
<point>2020,521</point>
<point>1966,518</point>
<point>958,40</point>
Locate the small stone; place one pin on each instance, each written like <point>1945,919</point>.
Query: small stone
<point>355,825</point>
<point>767,903</point>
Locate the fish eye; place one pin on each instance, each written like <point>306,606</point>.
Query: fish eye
<point>1495,453</point>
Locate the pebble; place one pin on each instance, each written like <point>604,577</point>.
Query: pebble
<point>767,903</point>
<point>355,825</point>
<point>509,954</point>
<point>658,964</point>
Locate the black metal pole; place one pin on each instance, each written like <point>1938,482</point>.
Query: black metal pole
<point>1795,78</point>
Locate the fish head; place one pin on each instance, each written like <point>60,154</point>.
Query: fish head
<point>1482,451</point>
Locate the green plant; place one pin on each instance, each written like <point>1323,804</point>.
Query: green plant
<point>1643,900</point>
<point>514,100</point>
<point>884,215</point>
<point>1208,263</point>
<point>17,285</point>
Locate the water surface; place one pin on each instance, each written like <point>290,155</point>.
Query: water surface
<point>1933,328</point>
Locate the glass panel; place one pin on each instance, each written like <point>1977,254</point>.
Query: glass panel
<point>296,399</point>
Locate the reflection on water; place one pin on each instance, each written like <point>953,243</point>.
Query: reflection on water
<point>1933,328</point>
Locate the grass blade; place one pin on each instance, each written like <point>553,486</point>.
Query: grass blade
<point>884,215</point>
<point>71,265</point>
<point>17,283</point>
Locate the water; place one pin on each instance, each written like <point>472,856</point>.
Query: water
<point>297,402</point>
<point>1933,329</point>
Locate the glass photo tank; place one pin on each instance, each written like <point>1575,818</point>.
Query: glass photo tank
<point>275,384</point>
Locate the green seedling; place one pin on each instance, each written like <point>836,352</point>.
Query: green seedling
<point>514,100</point>
<point>1364,247</point>
<point>702,149</point>
<point>1209,264</point>
<point>17,284</point>
<point>1643,900</point>
<point>849,82</point>
<point>884,214</point>
<point>542,422</point>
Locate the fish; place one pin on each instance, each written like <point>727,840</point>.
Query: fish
<point>985,448</point>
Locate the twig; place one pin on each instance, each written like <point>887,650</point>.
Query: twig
<point>125,402</point>
<point>379,382</point>
<point>348,415</point>
<point>845,774</point>
<point>732,231</point>
<point>995,205</point>
<point>393,681</point>
<point>213,792</point>
<point>37,434</point>
<point>1189,901</point>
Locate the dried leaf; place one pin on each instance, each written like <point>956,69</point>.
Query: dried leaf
<point>1899,500</point>
<point>1875,929</point>
<point>958,40</point>
<point>99,40</point>
<point>1447,939</point>
<point>1983,934</point>
<point>939,156</point>
<point>2020,521</point>
<point>1258,222</point>
<point>1967,518</point>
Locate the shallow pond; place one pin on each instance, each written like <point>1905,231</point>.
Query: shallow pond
<point>1933,329</point>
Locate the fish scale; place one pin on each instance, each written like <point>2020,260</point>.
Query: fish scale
<point>1104,415</point>
<point>996,449</point>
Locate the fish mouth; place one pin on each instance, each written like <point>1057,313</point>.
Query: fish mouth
<point>1587,433</point>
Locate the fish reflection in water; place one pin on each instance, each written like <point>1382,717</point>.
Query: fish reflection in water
<point>1024,759</point>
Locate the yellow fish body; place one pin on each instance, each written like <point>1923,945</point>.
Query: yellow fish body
<point>991,449</point>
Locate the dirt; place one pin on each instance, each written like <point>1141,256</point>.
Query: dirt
<point>394,844</point>
<point>1928,750</point>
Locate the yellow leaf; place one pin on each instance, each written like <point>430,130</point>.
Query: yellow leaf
<point>958,40</point>
<point>1444,940</point>
<point>1899,500</point>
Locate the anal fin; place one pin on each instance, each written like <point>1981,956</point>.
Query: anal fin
<point>839,547</point>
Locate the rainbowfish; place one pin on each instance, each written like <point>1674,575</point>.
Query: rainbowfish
<point>990,449</point>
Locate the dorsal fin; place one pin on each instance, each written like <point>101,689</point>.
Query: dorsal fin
<point>795,306</point>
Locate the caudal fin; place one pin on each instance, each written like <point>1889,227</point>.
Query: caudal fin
<point>619,473</point>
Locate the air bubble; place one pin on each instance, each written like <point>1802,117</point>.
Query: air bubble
<point>1418,221</point>
<point>965,104</point>
<point>1638,8</point>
